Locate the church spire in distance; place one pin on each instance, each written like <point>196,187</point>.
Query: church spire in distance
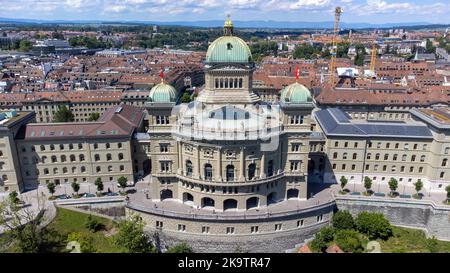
<point>228,27</point>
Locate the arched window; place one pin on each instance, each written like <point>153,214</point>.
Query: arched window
<point>226,83</point>
<point>166,194</point>
<point>110,168</point>
<point>355,155</point>
<point>422,158</point>
<point>52,147</point>
<point>107,145</point>
<point>230,204</point>
<point>271,198</point>
<point>187,197</point>
<point>368,156</point>
<point>270,168</point>
<point>97,157</point>
<point>81,157</point>
<point>188,168</point>
<point>54,159</point>
<point>120,156</point>
<point>207,202</point>
<point>45,171</point>
<point>55,171</point>
<point>216,81</point>
<point>42,148</point>
<point>230,173</point>
<point>240,83</point>
<point>98,169</point>
<point>292,193</point>
<point>108,157</point>
<point>251,171</point>
<point>221,82</point>
<point>377,156</point>
<point>236,83</point>
<point>70,146</point>
<point>404,157</point>
<point>344,156</point>
<point>83,169</point>
<point>64,170</point>
<point>252,202</point>
<point>335,155</point>
<point>208,172</point>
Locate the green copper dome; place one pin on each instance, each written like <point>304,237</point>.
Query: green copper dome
<point>296,93</point>
<point>228,48</point>
<point>163,93</point>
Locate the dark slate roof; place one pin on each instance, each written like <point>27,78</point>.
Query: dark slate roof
<point>335,122</point>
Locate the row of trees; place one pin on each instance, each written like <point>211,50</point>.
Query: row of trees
<point>393,185</point>
<point>122,181</point>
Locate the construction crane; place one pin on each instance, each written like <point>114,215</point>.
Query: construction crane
<point>373,58</point>
<point>337,18</point>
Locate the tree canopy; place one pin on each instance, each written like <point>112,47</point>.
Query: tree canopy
<point>63,115</point>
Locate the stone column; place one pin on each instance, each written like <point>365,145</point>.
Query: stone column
<point>180,158</point>
<point>198,162</point>
<point>218,171</point>
<point>263,166</point>
<point>242,167</point>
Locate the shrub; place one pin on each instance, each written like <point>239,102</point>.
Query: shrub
<point>180,248</point>
<point>13,196</point>
<point>374,225</point>
<point>93,224</point>
<point>323,237</point>
<point>343,220</point>
<point>348,240</point>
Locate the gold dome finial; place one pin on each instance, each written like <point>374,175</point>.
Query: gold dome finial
<point>228,26</point>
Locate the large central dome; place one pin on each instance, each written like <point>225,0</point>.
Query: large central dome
<point>228,48</point>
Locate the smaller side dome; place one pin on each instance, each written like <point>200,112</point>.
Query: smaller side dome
<point>163,93</point>
<point>296,93</point>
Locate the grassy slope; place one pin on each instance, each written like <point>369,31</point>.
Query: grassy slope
<point>68,221</point>
<point>410,241</point>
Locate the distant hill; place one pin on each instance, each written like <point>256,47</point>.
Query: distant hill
<point>219,23</point>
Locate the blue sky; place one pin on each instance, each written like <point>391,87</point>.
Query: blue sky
<point>370,11</point>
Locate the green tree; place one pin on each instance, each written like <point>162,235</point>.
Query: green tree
<point>393,185</point>
<point>367,183</point>
<point>51,187</point>
<point>85,241</point>
<point>63,115</point>
<point>447,189</point>
<point>343,220</point>
<point>342,50</point>
<point>94,117</point>
<point>131,237</point>
<point>75,187</point>
<point>429,48</point>
<point>180,248</point>
<point>418,186</point>
<point>13,196</point>
<point>349,241</point>
<point>322,239</point>
<point>122,182</point>
<point>306,51</point>
<point>25,45</point>
<point>186,98</point>
<point>344,182</point>
<point>360,53</point>
<point>374,225</point>
<point>93,224</point>
<point>99,184</point>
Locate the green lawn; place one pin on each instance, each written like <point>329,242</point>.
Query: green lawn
<point>68,221</point>
<point>406,240</point>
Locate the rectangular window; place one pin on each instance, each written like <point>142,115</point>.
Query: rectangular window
<point>278,227</point>
<point>230,230</point>
<point>181,227</point>
<point>320,218</point>
<point>164,148</point>
<point>295,166</point>
<point>205,229</point>
<point>295,147</point>
<point>159,224</point>
<point>254,229</point>
<point>300,223</point>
